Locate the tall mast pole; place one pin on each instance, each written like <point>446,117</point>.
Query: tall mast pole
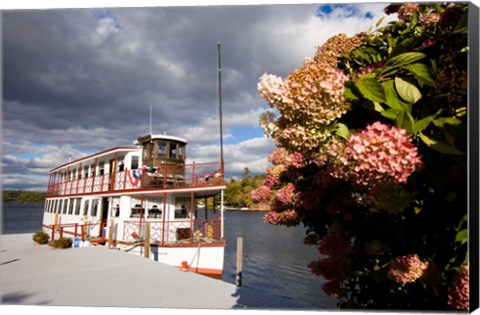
<point>220,100</point>
<point>221,136</point>
<point>150,130</point>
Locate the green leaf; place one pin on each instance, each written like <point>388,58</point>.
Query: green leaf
<point>349,93</point>
<point>424,122</point>
<point>421,73</point>
<point>462,236</point>
<point>378,107</point>
<point>409,122</point>
<point>370,89</point>
<point>439,146</point>
<point>379,21</point>
<point>404,59</point>
<point>407,91</point>
<point>342,131</point>
<point>390,114</point>
<point>404,120</point>
<point>392,99</point>
<point>442,121</point>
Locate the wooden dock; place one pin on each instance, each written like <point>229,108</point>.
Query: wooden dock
<point>34,274</point>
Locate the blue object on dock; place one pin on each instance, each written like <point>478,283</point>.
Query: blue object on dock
<point>76,242</point>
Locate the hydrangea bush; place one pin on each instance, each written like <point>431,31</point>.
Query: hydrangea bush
<point>371,137</point>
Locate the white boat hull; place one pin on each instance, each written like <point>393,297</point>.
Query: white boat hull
<point>204,259</point>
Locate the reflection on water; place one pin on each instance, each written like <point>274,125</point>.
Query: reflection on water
<point>274,257</point>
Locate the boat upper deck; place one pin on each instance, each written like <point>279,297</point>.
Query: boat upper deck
<point>177,176</point>
<point>118,171</point>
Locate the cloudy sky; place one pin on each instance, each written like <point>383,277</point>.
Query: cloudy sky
<point>78,81</point>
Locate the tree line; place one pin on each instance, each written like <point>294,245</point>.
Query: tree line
<point>237,192</point>
<point>23,196</point>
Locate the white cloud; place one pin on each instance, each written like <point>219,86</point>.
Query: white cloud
<point>251,153</point>
<point>106,27</point>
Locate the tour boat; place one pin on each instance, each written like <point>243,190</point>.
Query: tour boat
<point>143,199</point>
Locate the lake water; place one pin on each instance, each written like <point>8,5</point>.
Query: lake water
<point>274,258</point>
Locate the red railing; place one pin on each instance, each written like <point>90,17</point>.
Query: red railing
<point>159,177</point>
<point>173,232</point>
<point>84,231</point>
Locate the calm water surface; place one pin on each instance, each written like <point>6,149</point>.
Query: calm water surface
<point>274,258</point>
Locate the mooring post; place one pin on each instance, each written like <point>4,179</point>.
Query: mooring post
<point>238,280</point>
<point>147,241</point>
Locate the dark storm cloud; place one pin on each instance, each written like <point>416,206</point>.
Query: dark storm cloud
<point>76,81</point>
<point>103,68</point>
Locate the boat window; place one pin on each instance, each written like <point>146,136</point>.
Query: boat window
<point>173,150</point>
<point>135,162</point>
<point>155,212</point>
<point>136,210</point>
<point>47,204</point>
<point>70,208</point>
<point>101,168</point>
<point>56,208</point>
<point>145,152</point>
<point>51,206</point>
<point>162,149</point>
<point>148,151</point>
<point>64,206</point>
<point>95,207</point>
<point>86,204</point>
<point>85,171</point>
<point>181,206</point>
<point>181,152</point>
<point>121,164</point>
<point>77,206</point>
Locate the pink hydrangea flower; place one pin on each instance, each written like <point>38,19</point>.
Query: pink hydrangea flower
<point>407,269</point>
<point>334,246</point>
<point>272,89</point>
<point>329,268</point>
<point>272,180</point>
<point>287,218</point>
<point>379,153</point>
<point>334,289</point>
<point>459,293</point>
<point>282,157</point>
<point>272,217</point>
<point>261,194</point>
<point>316,94</point>
<point>285,196</point>
<point>406,11</point>
<point>310,200</point>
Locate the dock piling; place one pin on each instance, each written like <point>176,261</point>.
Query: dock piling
<point>238,280</point>
<point>147,241</point>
